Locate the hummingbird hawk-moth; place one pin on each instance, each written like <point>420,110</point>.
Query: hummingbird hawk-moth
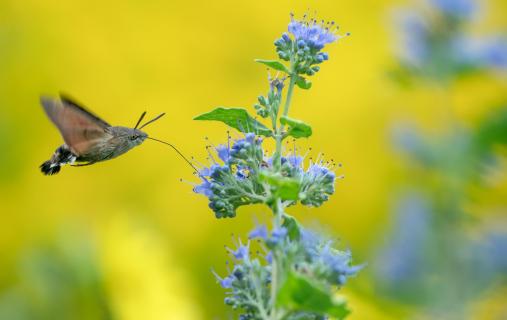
<point>89,139</point>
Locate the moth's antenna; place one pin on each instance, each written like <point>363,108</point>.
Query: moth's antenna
<point>175,149</point>
<point>140,119</point>
<point>152,120</point>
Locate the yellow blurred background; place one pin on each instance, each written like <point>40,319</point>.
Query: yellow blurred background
<point>154,240</point>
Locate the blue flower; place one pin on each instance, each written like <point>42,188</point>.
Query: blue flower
<point>226,282</point>
<point>320,171</point>
<point>339,262</point>
<point>456,8</point>
<point>335,264</point>
<point>310,32</point>
<point>204,188</point>
<point>310,241</point>
<point>207,171</point>
<point>294,160</point>
<point>250,137</point>
<point>278,234</point>
<point>276,84</point>
<point>217,171</point>
<point>223,152</point>
<point>269,257</point>
<point>259,232</point>
<point>242,251</point>
<point>242,172</point>
<point>239,148</point>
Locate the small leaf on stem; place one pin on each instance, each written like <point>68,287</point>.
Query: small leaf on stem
<point>303,83</point>
<point>300,293</point>
<point>236,118</point>
<point>285,188</point>
<point>273,64</point>
<point>297,128</point>
<point>292,225</point>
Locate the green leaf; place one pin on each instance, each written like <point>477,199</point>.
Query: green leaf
<point>492,130</point>
<point>297,128</point>
<point>285,188</point>
<point>292,225</point>
<point>303,83</point>
<point>237,118</point>
<point>299,293</point>
<point>274,64</point>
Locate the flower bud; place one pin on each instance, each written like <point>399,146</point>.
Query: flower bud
<point>286,37</point>
<point>262,101</point>
<point>283,55</point>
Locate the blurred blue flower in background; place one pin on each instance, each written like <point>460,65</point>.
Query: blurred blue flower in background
<point>438,46</point>
<point>496,246</point>
<point>488,52</point>
<point>494,51</point>
<point>435,256</point>
<point>456,8</point>
<point>403,254</point>
<point>413,33</point>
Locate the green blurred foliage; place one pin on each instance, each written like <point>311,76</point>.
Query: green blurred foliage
<point>57,280</point>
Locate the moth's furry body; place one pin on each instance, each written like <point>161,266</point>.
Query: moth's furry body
<point>120,140</point>
<point>62,156</point>
<point>88,139</point>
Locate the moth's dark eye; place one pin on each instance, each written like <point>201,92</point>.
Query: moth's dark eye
<point>134,137</point>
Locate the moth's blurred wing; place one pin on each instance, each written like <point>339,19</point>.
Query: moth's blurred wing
<point>68,102</point>
<point>81,130</point>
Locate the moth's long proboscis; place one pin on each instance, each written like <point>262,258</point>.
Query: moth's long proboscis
<point>175,149</point>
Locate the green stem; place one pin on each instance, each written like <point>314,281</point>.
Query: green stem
<point>278,209</point>
<point>274,287</point>
<point>279,132</point>
<point>293,78</point>
<point>275,264</point>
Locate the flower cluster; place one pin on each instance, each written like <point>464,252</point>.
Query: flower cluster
<point>317,185</point>
<point>295,273</point>
<point>306,256</point>
<point>438,46</point>
<point>325,262</point>
<point>237,177</point>
<point>304,47</point>
<point>234,182</point>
